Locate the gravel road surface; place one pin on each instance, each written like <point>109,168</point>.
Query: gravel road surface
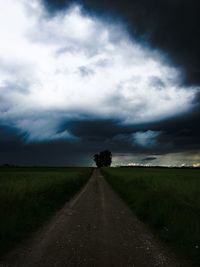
<point>94,229</point>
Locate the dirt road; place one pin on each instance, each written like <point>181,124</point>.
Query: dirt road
<point>95,229</point>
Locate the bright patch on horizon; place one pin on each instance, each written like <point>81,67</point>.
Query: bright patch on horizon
<point>69,66</point>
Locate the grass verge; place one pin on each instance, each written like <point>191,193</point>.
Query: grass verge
<point>29,196</point>
<point>167,199</point>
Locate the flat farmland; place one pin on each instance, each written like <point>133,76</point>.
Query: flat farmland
<point>167,200</point>
<point>29,196</point>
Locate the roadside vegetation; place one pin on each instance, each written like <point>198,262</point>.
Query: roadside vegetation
<point>166,199</point>
<point>29,196</point>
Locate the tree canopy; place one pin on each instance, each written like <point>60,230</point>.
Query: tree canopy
<point>103,159</point>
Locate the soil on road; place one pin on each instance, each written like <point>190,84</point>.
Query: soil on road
<point>95,229</point>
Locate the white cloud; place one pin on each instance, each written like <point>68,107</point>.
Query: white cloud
<point>75,64</point>
<point>146,139</point>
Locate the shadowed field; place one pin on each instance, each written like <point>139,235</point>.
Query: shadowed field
<point>28,196</point>
<point>94,229</point>
<point>167,199</point>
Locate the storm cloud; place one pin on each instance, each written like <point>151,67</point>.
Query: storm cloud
<point>73,65</point>
<point>172,26</point>
<point>70,77</point>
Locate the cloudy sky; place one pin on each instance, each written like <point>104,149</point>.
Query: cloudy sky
<point>77,77</point>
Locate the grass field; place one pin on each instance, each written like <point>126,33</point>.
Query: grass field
<point>28,196</point>
<point>167,199</point>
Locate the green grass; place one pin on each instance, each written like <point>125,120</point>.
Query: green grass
<point>166,199</point>
<point>29,196</point>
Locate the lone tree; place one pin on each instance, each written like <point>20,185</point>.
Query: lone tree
<point>103,159</point>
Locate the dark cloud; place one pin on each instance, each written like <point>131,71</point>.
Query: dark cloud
<point>84,71</point>
<point>156,82</point>
<point>172,26</point>
<point>149,158</point>
<point>94,128</point>
<point>180,135</point>
<point>13,150</point>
